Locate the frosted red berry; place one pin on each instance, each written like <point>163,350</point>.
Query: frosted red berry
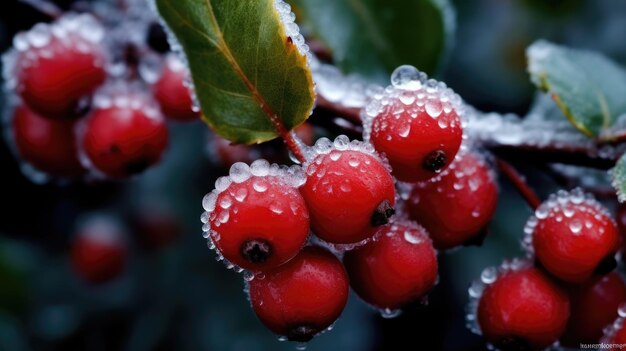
<point>594,305</point>
<point>349,191</point>
<point>98,253</point>
<point>172,94</point>
<point>398,266</point>
<point>456,208</point>
<point>302,297</point>
<point>416,124</point>
<point>124,137</point>
<point>573,236</point>
<point>521,309</point>
<point>256,218</point>
<point>48,145</point>
<point>58,66</point>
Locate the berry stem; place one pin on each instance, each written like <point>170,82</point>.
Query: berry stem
<point>518,181</point>
<point>45,7</point>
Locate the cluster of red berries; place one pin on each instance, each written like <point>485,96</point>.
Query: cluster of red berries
<point>290,228</point>
<point>565,291</point>
<point>84,101</point>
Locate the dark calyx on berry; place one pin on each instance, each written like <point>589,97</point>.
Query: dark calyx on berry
<point>513,343</point>
<point>256,251</point>
<point>301,333</point>
<point>607,265</point>
<point>383,212</point>
<point>435,161</point>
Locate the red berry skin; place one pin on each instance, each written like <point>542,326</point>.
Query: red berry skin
<point>97,261</point>
<point>48,145</point>
<point>344,195</point>
<point>172,94</point>
<point>594,305</point>
<point>395,268</point>
<point>523,310</point>
<point>455,208</point>
<point>302,297</point>
<point>417,148</point>
<point>574,247</point>
<point>121,141</point>
<point>54,86</point>
<point>260,223</point>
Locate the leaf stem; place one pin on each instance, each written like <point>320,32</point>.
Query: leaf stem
<point>518,181</point>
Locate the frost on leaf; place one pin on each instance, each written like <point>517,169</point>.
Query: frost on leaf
<point>588,87</point>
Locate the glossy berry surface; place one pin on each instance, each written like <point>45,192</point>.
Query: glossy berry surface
<point>48,145</point>
<point>349,192</point>
<point>398,266</point>
<point>98,253</point>
<point>456,208</point>
<point>259,220</point>
<point>522,310</point>
<point>302,297</point>
<point>123,140</point>
<point>594,305</point>
<point>416,124</point>
<point>172,94</point>
<point>573,236</point>
<point>59,65</point>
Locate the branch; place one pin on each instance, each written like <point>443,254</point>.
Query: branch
<point>518,181</point>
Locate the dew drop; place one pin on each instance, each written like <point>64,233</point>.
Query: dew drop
<point>488,275</point>
<point>406,77</point>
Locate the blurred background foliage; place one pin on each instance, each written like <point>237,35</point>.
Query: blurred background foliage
<point>175,296</point>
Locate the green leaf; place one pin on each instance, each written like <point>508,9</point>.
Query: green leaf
<point>589,88</point>
<point>245,69</point>
<point>373,37</point>
<point>619,178</point>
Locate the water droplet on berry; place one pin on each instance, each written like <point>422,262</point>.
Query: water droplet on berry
<point>406,77</point>
<point>575,226</point>
<point>259,185</point>
<point>412,238</point>
<point>239,172</point>
<point>390,313</point>
<point>488,275</point>
<point>622,310</point>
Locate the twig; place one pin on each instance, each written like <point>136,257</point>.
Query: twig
<point>518,181</point>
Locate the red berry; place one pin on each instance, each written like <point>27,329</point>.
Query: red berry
<point>573,236</point>
<point>395,268</point>
<point>172,94</point>
<point>46,144</point>
<point>349,191</point>
<point>302,297</point>
<point>58,66</point>
<point>416,124</point>
<point>522,309</point>
<point>98,252</point>
<point>124,137</point>
<point>256,218</point>
<point>457,207</point>
<point>594,305</point>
